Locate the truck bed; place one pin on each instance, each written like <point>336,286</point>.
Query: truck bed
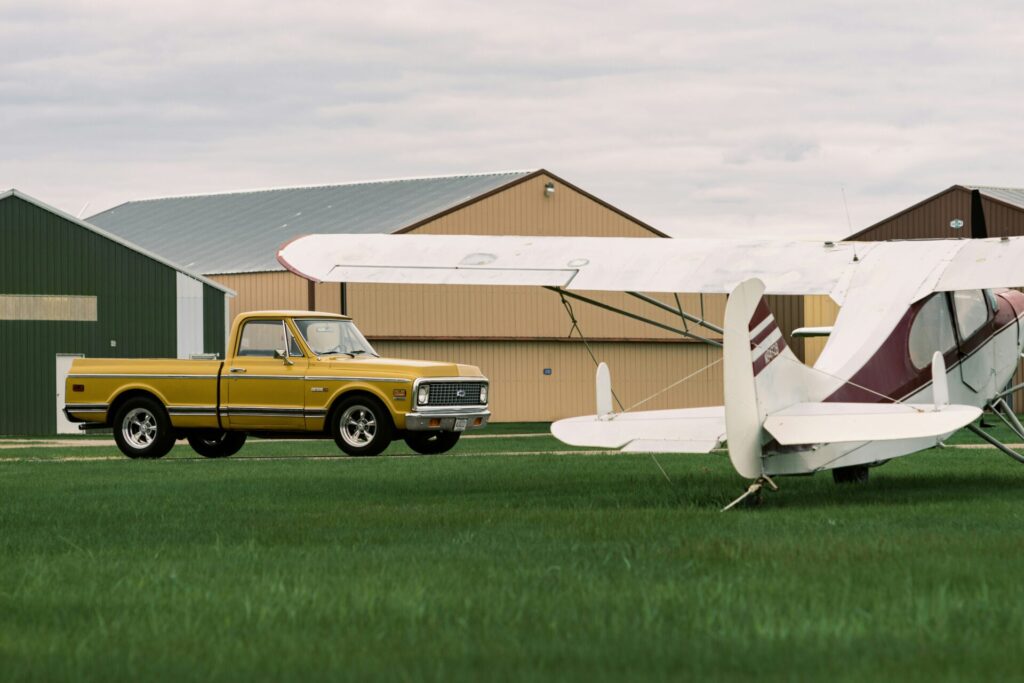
<point>189,388</point>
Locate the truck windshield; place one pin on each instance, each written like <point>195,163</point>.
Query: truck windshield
<point>331,336</point>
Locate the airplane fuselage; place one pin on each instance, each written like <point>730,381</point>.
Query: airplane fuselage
<point>980,336</point>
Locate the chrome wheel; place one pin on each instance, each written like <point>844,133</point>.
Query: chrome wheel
<point>358,426</point>
<point>139,428</point>
<point>142,428</point>
<point>361,425</point>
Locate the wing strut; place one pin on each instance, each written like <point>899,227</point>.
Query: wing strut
<point>608,307</point>
<point>679,311</point>
<point>1004,413</point>
<point>576,327</point>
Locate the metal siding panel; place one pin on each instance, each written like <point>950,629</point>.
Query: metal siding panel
<point>189,319</point>
<point>46,254</point>
<point>524,210</point>
<point>1002,220</point>
<point>455,311</point>
<point>264,291</point>
<point>213,321</point>
<point>328,297</point>
<point>927,221</point>
<point>819,311</point>
<point>789,313</point>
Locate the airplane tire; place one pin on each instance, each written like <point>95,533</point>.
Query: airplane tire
<point>216,444</point>
<point>432,443</point>
<point>142,429</point>
<point>855,474</point>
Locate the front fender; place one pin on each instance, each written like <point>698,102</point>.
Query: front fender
<point>384,392</point>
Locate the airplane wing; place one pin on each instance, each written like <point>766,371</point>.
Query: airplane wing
<point>984,264</point>
<point>657,265</point>
<point>689,430</point>
<point>581,263</point>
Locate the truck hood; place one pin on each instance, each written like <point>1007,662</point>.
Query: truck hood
<point>418,368</point>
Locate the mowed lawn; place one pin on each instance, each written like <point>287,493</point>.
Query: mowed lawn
<point>549,565</point>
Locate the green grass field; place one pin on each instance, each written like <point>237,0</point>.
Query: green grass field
<point>546,565</point>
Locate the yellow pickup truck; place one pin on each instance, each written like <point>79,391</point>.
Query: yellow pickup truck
<point>287,373</point>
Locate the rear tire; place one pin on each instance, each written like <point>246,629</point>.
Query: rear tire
<point>855,474</point>
<point>361,425</point>
<point>216,444</point>
<point>432,443</point>
<point>142,429</point>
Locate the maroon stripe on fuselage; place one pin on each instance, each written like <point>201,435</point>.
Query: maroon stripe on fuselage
<point>891,373</point>
<point>764,334</point>
<point>770,354</point>
<point>760,313</point>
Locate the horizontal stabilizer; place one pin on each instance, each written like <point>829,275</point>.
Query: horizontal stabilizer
<point>810,423</point>
<point>667,446</point>
<point>689,430</point>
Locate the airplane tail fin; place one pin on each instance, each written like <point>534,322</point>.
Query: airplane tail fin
<point>769,393</point>
<point>762,375</point>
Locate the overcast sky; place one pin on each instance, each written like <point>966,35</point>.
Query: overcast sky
<point>701,118</point>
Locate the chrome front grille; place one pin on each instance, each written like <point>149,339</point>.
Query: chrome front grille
<point>454,393</point>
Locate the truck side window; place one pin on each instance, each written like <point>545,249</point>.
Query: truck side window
<point>260,338</point>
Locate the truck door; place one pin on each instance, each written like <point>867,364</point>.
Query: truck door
<point>264,379</point>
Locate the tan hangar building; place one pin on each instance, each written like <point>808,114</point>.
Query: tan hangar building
<point>521,337</point>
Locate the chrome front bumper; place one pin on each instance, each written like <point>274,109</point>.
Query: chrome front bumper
<point>447,420</point>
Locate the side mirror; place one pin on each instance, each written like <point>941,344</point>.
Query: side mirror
<point>282,354</point>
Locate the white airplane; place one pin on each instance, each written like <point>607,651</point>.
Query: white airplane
<point>925,338</point>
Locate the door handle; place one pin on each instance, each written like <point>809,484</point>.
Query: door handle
<point>237,369</point>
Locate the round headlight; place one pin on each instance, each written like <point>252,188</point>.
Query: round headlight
<point>483,393</point>
<point>423,395</point>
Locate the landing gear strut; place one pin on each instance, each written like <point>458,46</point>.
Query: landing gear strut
<point>752,496</point>
<point>1001,410</point>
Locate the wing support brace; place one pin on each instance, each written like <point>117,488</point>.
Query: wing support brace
<point>634,316</point>
<point>1003,412</point>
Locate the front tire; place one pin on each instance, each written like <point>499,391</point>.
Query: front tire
<point>216,444</point>
<point>142,429</point>
<point>432,443</point>
<point>361,425</point>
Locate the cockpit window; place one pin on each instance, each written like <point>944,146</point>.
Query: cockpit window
<point>972,309</point>
<point>931,331</point>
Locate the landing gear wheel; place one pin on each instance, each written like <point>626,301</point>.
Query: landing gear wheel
<point>855,474</point>
<point>361,425</point>
<point>142,429</point>
<point>432,443</point>
<point>216,444</point>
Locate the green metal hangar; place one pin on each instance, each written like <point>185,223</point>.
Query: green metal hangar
<point>67,289</point>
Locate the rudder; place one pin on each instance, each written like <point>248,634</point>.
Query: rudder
<point>762,375</point>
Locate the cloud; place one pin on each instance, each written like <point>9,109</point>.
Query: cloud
<point>742,118</point>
